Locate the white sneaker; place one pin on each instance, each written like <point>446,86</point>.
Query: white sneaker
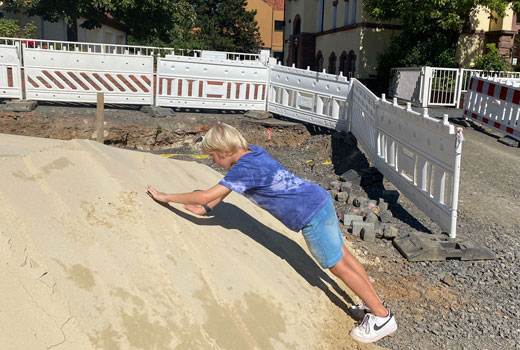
<point>374,328</point>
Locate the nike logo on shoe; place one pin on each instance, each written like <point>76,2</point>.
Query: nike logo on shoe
<point>376,327</point>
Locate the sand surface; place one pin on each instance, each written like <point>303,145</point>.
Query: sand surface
<point>89,261</point>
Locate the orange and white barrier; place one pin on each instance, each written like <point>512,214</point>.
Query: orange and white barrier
<point>495,104</point>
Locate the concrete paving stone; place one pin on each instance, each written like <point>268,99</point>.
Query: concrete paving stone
<point>378,230</point>
<point>371,217</point>
<point>367,234</point>
<point>342,196</point>
<point>371,203</point>
<point>348,219</point>
<point>383,207</point>
<point>358,225</point>
<point>359,201</point>
<point>386,217</point>
<point>390,232</point>
<point>335,185</point>
<point>346,187</point>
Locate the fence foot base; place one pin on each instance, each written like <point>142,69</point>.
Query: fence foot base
<point>257,114</point>
<point>20,106</point>
<point>158,112</point>
<point>506,140</point>
<point>420,246</point>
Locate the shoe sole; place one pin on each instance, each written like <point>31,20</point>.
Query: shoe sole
<point>382,335</point>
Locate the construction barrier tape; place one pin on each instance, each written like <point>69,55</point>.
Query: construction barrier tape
<point>196,156</point>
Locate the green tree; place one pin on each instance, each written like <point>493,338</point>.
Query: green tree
<point>430,29</point>
<point>225,25</point>
<point>205,24</point>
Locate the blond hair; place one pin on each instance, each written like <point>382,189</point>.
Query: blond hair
<point>224,140</point>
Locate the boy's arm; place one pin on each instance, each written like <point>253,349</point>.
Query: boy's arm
<point>209,196</point>
<point>197,209</point>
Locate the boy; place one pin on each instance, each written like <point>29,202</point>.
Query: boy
<point>300,205</point>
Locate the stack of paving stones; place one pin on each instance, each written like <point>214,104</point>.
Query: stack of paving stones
<point>363,217</point>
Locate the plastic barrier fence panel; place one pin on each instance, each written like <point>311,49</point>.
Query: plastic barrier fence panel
<point>309,96</point>
<point>363,122</point>
<point>195,82</point>
<point>10,77</point>
<point>495,104</point>
<point>78,76</point>
<point>420,155</point>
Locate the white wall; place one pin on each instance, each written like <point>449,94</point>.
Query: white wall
<point>58,30</point>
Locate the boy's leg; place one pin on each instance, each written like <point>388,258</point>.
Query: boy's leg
<point>355,265</point>
<point>352,273</point>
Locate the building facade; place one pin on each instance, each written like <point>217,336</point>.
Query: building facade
<point>489,28</point>
<point>335,36</point>
<point>270,18</point>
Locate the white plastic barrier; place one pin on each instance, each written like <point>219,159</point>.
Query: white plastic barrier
<point>495,104</point>
<point>421,157</point>
<point>418,154</point>
<point>10,74</point>
<point>78,76</point>
<point>312,97</point>
<point>363,122</point>
<point>211,83</point>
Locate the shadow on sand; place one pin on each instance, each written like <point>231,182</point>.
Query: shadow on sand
<point>230,216</point>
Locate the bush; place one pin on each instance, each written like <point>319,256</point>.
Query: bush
<point>11,29</point>
<point>492,61</point>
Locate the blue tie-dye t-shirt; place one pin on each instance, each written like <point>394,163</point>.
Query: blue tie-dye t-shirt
<point>268,184</point>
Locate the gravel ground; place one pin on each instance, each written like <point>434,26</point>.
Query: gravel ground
<point>438,305</point>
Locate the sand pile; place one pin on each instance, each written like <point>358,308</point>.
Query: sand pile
<point>89,261</point>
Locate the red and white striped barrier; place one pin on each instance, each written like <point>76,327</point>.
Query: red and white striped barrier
<point>494,104</point>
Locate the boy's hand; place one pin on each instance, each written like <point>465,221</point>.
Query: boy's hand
<point>195,209</point>
<point>158,196</point>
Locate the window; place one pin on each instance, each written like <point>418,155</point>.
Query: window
<point>345,17</point>
<point>319,62</point>
<point>332,63</point>
<point>278,26</point>
<point>351,64</point>
<point>320,16</point>
<point>343,63</point>
<point>334,13</point>
<point>297,24</point>
<point>354,5</point>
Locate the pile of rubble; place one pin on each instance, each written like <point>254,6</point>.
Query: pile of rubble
<point>364,217</point>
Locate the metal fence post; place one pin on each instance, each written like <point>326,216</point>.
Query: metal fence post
<point>425,86</point>
<point>458,91</point>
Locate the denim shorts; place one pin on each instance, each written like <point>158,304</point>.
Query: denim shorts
<point>323,236</point>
